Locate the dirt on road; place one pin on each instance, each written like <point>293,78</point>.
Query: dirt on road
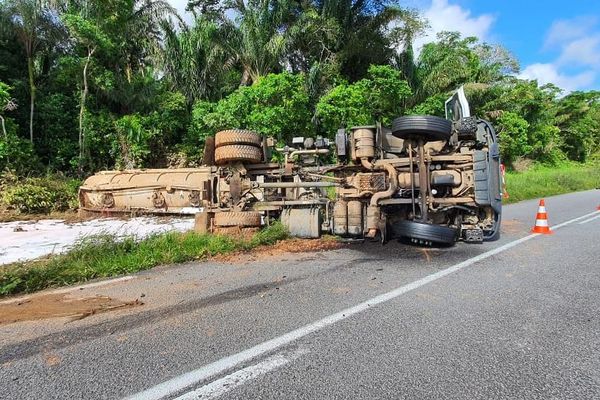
<point>280,248</point>
<point>59,305</point>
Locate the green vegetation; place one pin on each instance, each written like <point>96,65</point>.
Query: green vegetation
<point>96,84</point>
<point>103,256</point>
<point>51,193</point>
<point>101,84</point>
<point>542,181</point>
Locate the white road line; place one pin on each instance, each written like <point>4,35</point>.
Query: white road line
<point>569,222</point>
<point>589,220</point>
<point>238,378</point>
<point>70,289</point>
<point>181,382</point>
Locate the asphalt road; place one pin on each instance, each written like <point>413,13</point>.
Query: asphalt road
<point>518,318</point>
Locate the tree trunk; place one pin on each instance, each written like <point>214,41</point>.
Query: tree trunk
<point>84,93</point>
<point>245,81</point>
<point>3,127</point>
<point>5,136</point>
<point>32,96</point>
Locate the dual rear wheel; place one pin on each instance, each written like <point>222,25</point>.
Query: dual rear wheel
<point>238,145</point>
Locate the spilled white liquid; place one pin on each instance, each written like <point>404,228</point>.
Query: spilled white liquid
<point>25,240</point>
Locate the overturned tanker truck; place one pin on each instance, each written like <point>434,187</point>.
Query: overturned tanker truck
<point>426,180</point>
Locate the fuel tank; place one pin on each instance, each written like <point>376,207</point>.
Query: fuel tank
<point>155,191</point>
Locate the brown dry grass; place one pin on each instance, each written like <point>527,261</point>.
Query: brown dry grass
<point>67,216</point>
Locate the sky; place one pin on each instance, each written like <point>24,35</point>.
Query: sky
<point>555,41</point>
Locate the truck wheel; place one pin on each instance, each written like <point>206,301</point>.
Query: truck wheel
<point>237,136</point>
<point>237,218</point>
<point>244,153</point>
<point>426,127</point>
<point>423,233</point>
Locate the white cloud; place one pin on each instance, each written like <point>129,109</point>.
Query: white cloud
<point>443,16</point>
<point>577,41</point>
<point>583,51</point>
<point>549,73</point>
<point>564,31</point>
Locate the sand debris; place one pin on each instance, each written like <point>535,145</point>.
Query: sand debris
<point>60,305</point>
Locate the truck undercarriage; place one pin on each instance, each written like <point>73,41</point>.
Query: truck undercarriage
<point>426,180</point>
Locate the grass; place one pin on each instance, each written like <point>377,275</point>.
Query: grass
<point>542,181</point>
<point>103,256</point>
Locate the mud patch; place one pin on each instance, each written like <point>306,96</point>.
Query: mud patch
<point>281,248</point>
<point>51,359</point>
<point>340,290</point>
<point>60,305</point>
<point>512,226</point>
<point>426,254</point>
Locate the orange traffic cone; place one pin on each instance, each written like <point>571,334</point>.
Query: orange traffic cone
<point>541,220</point>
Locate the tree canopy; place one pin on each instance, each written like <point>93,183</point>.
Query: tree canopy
<point>91,84</point>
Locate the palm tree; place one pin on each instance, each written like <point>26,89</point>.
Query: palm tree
<point>312,41</point>
<point>257,38</point>
<point>34,25</point>
<point>143,35</point>
<point>196,58</point>
<point>452,61</point>
<point>366,32</point>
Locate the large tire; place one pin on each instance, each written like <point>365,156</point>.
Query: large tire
<point>426,127</point>
<point>423,233</point>
<point>237,218</point>
<point>237,136</point>
<point>243,153</point>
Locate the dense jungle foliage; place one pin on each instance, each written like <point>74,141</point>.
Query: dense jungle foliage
<point>99,84</point>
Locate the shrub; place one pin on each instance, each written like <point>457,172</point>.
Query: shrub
<point>434,105</point>
<point>28,198</point>
<point>64,191</point>
<point>17,154</point>
<point>514,141</point>
<point>100,136</point>
<point>276,105</point>
<point>344,106</point>
<point>379,97</point>
<point>40,195</point>
<point>56,131</point>
<point>133,144</point>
